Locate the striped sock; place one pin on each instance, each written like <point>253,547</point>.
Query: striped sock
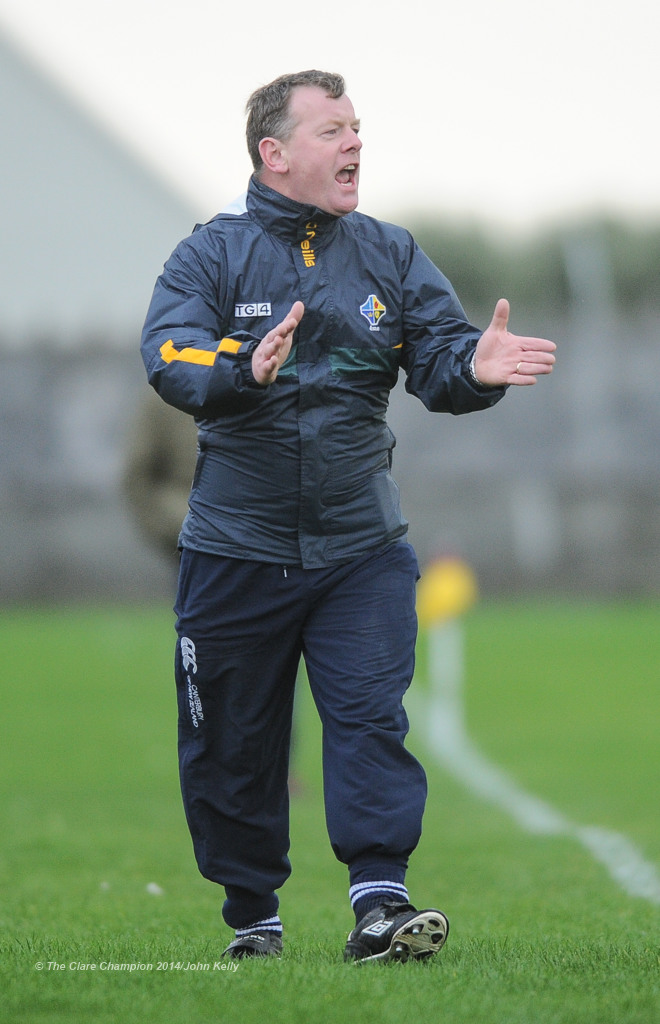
<point>366,895</point>
<point>270,924</point>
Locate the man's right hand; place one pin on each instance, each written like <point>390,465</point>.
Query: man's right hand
<point>273,349</point>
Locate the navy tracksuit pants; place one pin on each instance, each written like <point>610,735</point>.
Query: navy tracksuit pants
<point>242,627</point>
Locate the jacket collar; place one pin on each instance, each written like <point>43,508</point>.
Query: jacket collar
<point>285,217</point>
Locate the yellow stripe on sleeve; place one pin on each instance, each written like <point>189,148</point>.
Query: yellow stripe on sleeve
<point>197,355</point>
<point>229,345</point>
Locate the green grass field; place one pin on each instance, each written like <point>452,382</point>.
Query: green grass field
<point>97,868</point>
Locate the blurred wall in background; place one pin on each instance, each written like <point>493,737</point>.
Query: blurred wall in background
<point>554,490</point>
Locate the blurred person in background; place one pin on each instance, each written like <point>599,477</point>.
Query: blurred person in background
<point>281,326</point>
<point>161,452</point>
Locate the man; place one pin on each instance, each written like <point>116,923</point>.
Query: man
<point>281,327</point>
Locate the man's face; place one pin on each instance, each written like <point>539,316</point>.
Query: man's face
<point>323,152</point>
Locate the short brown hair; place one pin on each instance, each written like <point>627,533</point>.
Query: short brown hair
<point>268,107</point>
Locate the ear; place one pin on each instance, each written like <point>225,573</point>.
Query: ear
<point>273,156</point>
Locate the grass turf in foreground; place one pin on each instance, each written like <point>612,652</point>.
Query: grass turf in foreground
<point>91,816</point>
<point>490,980</point>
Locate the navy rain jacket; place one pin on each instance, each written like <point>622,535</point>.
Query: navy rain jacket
<point>298,473</point>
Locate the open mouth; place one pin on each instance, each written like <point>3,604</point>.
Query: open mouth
<point>347,175</point>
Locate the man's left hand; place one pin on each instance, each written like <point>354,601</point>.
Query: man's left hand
<point>505,358</point>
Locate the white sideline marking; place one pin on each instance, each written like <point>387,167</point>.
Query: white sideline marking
<point>443,718</point>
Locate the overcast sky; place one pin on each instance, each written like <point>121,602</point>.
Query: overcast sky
<point>512,112</point>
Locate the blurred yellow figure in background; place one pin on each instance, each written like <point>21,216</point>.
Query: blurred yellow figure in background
<point>447,589</point>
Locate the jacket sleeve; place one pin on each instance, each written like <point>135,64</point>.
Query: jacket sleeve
<point>439,342</point>
<point>189,360</point>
